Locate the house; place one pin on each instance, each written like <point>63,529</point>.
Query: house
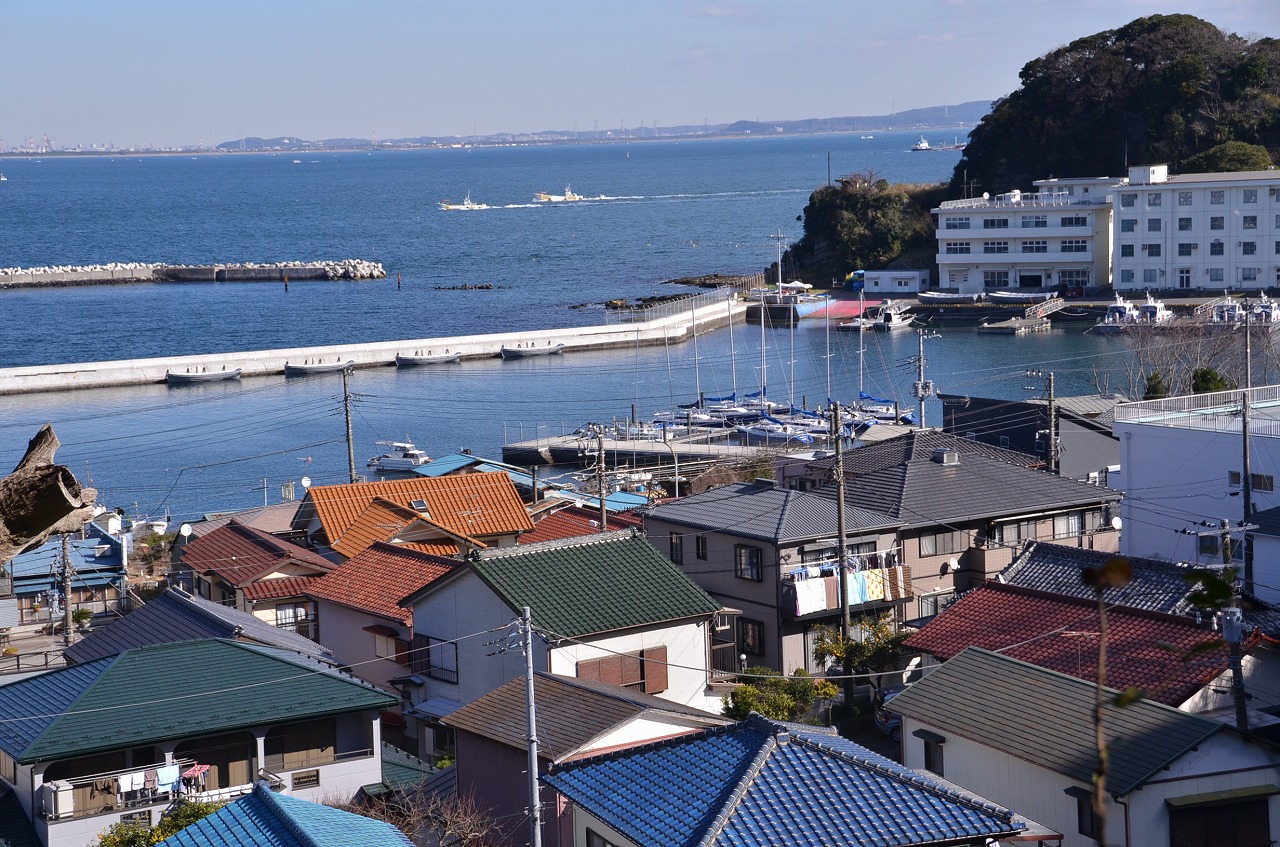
<point>562,519</point>
<point>445,515</point>
<point>575,718</point>
<point>275,519</point>
<point>115,738</point>
<point>758,783</point>
<point>531,488</point>
<point>1172,658</point>
<point>772,554</point>
<point>98,563</point>
<point>1023,736</point>
<point>1266,553</point>
<point>607,607</point>
<point>267,817</point>
<point>895,282</point>
<point>256,572</point>
<point>1086,445</point>
<point>176,615</point>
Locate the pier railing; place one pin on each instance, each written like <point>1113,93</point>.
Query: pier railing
<point>673,308</point>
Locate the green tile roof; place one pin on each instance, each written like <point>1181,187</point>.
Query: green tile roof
<point>593,584</point>
<point>170,691</point>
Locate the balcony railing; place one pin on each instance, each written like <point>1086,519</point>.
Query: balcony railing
<point>724,661</point>
<point>100,793</point>
<point>822,594</point>
<point>277,763</point>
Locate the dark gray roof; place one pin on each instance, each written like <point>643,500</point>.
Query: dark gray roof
<point>1267,521</point>
<point>1046,718</point>
<point>761,511</point>
<point>178,616</point>
<point>571,713</point>
<point>1099,409</point>
<point>1157,585</point>
<point>921,492</point>
<point>920,444</point>
<point>14,825</point>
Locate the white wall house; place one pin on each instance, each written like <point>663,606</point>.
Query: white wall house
<point>1057,237</point>
<point>1214,231</point>
<point>896,282</point>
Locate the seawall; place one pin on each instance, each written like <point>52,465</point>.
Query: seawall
<point>65,377</point>
<point>122,273</point>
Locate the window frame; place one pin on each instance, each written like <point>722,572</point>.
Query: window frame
<point>700,547</point>
<point>744,566</point>
<point>676,540</point>
<point>750,636</point>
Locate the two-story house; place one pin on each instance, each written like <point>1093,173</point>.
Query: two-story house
<point>607,607</point>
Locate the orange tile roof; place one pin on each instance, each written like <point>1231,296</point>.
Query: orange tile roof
<point>277,589</point>
<point>375,579</point>
<point>573,521</point>
<point>239,554</point>
<point>479,505</point>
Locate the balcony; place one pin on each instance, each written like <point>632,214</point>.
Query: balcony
<point>817,595</point>
<point>101,793</point>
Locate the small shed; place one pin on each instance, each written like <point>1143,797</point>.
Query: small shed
<point>896,282</point>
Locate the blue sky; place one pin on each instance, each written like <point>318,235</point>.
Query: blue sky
<point>167,72</point>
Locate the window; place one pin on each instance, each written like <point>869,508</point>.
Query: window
<point>995,223</point>
<point>1128,224</point>
<point>933,604</point>
<point>297,617</point>
<point>941,543</point>
<point>1127,200</point>
<point>641,670</point>
<point>595,839</point>
<point>1184,277</point>
<point>1087,823</point>
<point>1184,224</point>
<point>750,637</point>
<point>677,548</point>
<point>1249,248</point>
<point>384,646</point>
<point>1152,249</point>
<point>1035,246</point>
<point>1069,525</point>
<point>1075,245</point>
<point>1217,198</point>
<point>1075,220</point>
<point>1208,545</point>
<point>1215,248</point>
<point>1277,221</point>
<point>1015,531</point>
<point>1278,248</point>
<point>1184,249</point>
<point>1154,198</point>
<point>1249,221</point>
<point>700,546</point>
<point>1035,221</point>
<point>1250,195</point>
<point>747,562</point>
<point>1249,274</point>
<point>956,223</point>
<point>1260,482</point>
<point>1215,275</point>
<point>1184,198</point>
<point>436,658</point>
<point>955,248</point>
<point>1126,251</point>
<point>1126,275</point>
<point>1153,224</point>
<point>1208,824</point>
<point>1217,222</point>
<point>995,279</point>
<point>1150,276</point>
<point>995,247</point>
<point>1074,277</point>
<point>933,756</point>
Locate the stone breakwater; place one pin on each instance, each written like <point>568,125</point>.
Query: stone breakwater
<point>127,272</point>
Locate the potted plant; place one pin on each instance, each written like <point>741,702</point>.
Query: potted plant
<point>81,618</point>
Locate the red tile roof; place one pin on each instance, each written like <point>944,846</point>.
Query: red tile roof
<point>573,521</point>
<point>277,589</point>
<point>239,554</point>
<point>374,580</point>
<point>1148,650</point>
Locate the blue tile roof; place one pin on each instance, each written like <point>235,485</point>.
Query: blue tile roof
<point>759,782</point>
<point>278,820</point>
<point>41,569</point>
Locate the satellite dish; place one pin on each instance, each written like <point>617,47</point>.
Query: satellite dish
<point>185,530</point>
<point>953,564</point>
<point>1116,522</point>
<point>306,482</point>
<point>986,196</point>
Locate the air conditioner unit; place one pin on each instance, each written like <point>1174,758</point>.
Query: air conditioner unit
<point>57,800</point>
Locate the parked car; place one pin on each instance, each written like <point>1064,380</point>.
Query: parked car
<point>886,721</point>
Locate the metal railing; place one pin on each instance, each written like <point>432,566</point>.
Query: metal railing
<point>276,763</point>
<point>1216,410</point>
<point>682,306</point>
<point>99,793</point>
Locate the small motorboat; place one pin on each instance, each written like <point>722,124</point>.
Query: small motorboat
<point>430,358</point>
<point>309,368</point>
<point>192,377</point>
<point>404,456</point>
<point>530,351</point>
<point>466,205</point>
<point>930,298</point>
<point>892,317</point>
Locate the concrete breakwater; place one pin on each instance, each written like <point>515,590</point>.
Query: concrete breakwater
<point>119,273</point>
<point>711,313</point>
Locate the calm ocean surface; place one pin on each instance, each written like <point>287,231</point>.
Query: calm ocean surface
<point>668,210</point>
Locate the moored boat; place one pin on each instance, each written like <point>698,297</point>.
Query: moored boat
<point>1019,298</point>
<point>1118,317</point>
<point>403,456</point>
<point>930,298</point>
<point>1153,313</point>
<point>1015,326</point>
<point>892,317</point>
<point>193,377</point>
<point>418,360</point>
<point>530,351</point>
<point>308,368</point>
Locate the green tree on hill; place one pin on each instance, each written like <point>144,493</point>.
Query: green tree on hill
<point>1229,156</point>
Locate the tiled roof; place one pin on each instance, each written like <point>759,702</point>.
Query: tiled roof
<point>918,444</point>
<point>1045,717</point>
<point>601,583</point>
<point>1157,585</point>
<point>101,705</point>
<point>267,818</point>
<point>402,770</point>
<point>239,554</point>
<point>571,713</point>
<point>279,588</point>
<point>572,521</point>
<point>478,505</point>
<point>375,580</point>
<point>276,519</point>
<point>762,511</point>
<point>14,824</point>
<point>380,520</point>
<point>1169,657</point>
<point>759,783</point>
<point>178,616</point>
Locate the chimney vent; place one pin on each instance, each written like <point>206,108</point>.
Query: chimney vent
<point>943,456</point>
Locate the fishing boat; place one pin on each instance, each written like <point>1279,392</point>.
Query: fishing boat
<point>922,144</point>
<point>892,316</point>
<point>403,456</point>
<point>931,298</point>
<point>191,377</point>
<point>1153,313</point>
<point>465,206</point>
<point>530,351</point>
<point>313,368</point>
<point>1118,317</point>
<point>567,197</point>
<point>418,360</point>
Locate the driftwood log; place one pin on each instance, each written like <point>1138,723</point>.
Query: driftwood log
<point>40,499</point>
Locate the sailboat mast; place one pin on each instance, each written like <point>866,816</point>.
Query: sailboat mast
<point>861,340</point>
<point>697,367</point>
<point>733,360</point>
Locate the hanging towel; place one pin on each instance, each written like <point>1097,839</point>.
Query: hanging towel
<point>167,776</point>
<point>875,585</point>
<point>132,781</point>
<point>149,779</point>
<point>857,587</point>
<point>832,586</point>
<point>811,596</point>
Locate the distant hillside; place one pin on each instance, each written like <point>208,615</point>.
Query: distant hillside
<point>961,116</point>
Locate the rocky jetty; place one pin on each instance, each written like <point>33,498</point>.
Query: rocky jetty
<point>126,272</point>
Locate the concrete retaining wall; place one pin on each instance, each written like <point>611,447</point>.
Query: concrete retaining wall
<point>36,378</point>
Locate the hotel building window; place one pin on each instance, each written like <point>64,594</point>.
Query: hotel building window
<point>1035,246</point>
<point>995,247</point>
<point>1215,275</point>
<point>1153,225</point>
<point>1185,249</point>
<point>1081,220</point>
<point>1126,251</point>
<point>1126,275</point>
<point>1151,249</point>
<point>1184,224</point>
<point>1150,276</point>
<point>1075,245</point>
<point>955,248</point>
<point>995,223</point>
<point>995,279</point>
<point>1217,198</point>
<point>1250,195</point>
<point>1155,198</point>
<point>1128,200</point>
<point>1035,221</point>
<point>1128,224</point>
<point>1249,221</point>
<point>1217,222</point>
<point>1249,248</point>
<point>956,223</point>
<point>1249,274</point>
<point>1215,248</point>
<point>1184,198</point>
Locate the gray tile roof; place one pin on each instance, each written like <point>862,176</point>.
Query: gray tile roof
<point>178,616</point>
<point>1096,408</point>
<point>571,713</point>
<point>920,444</point>
<point>1045,717</point>
<point>761,511</point>
<point>1157,585</point>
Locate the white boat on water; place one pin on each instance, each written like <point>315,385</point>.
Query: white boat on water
<point>310,368</point>
<point>1019,298</point>
<point>530,351</point>
<point>567,197</point>
<point>922,144</point>
<point>773,432</point>
<point>419,360</point>
<point>892,317</point>
<point>465,206</point>
<point>1118,317</point>
<point>929,298</point>
<point>193,377</point>
<point>1153,313</point>
<point>404,456</point>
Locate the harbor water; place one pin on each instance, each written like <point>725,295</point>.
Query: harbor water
<point>664,210</point>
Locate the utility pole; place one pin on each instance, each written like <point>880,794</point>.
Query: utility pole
<point>1052,432</point>
<point>600,480</point>
<point>346,408</point>
<point>923,388</point>
<point>535,801</point>
<point>1246,470</point>
<point>837,435</point>
<point>66,591</point>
